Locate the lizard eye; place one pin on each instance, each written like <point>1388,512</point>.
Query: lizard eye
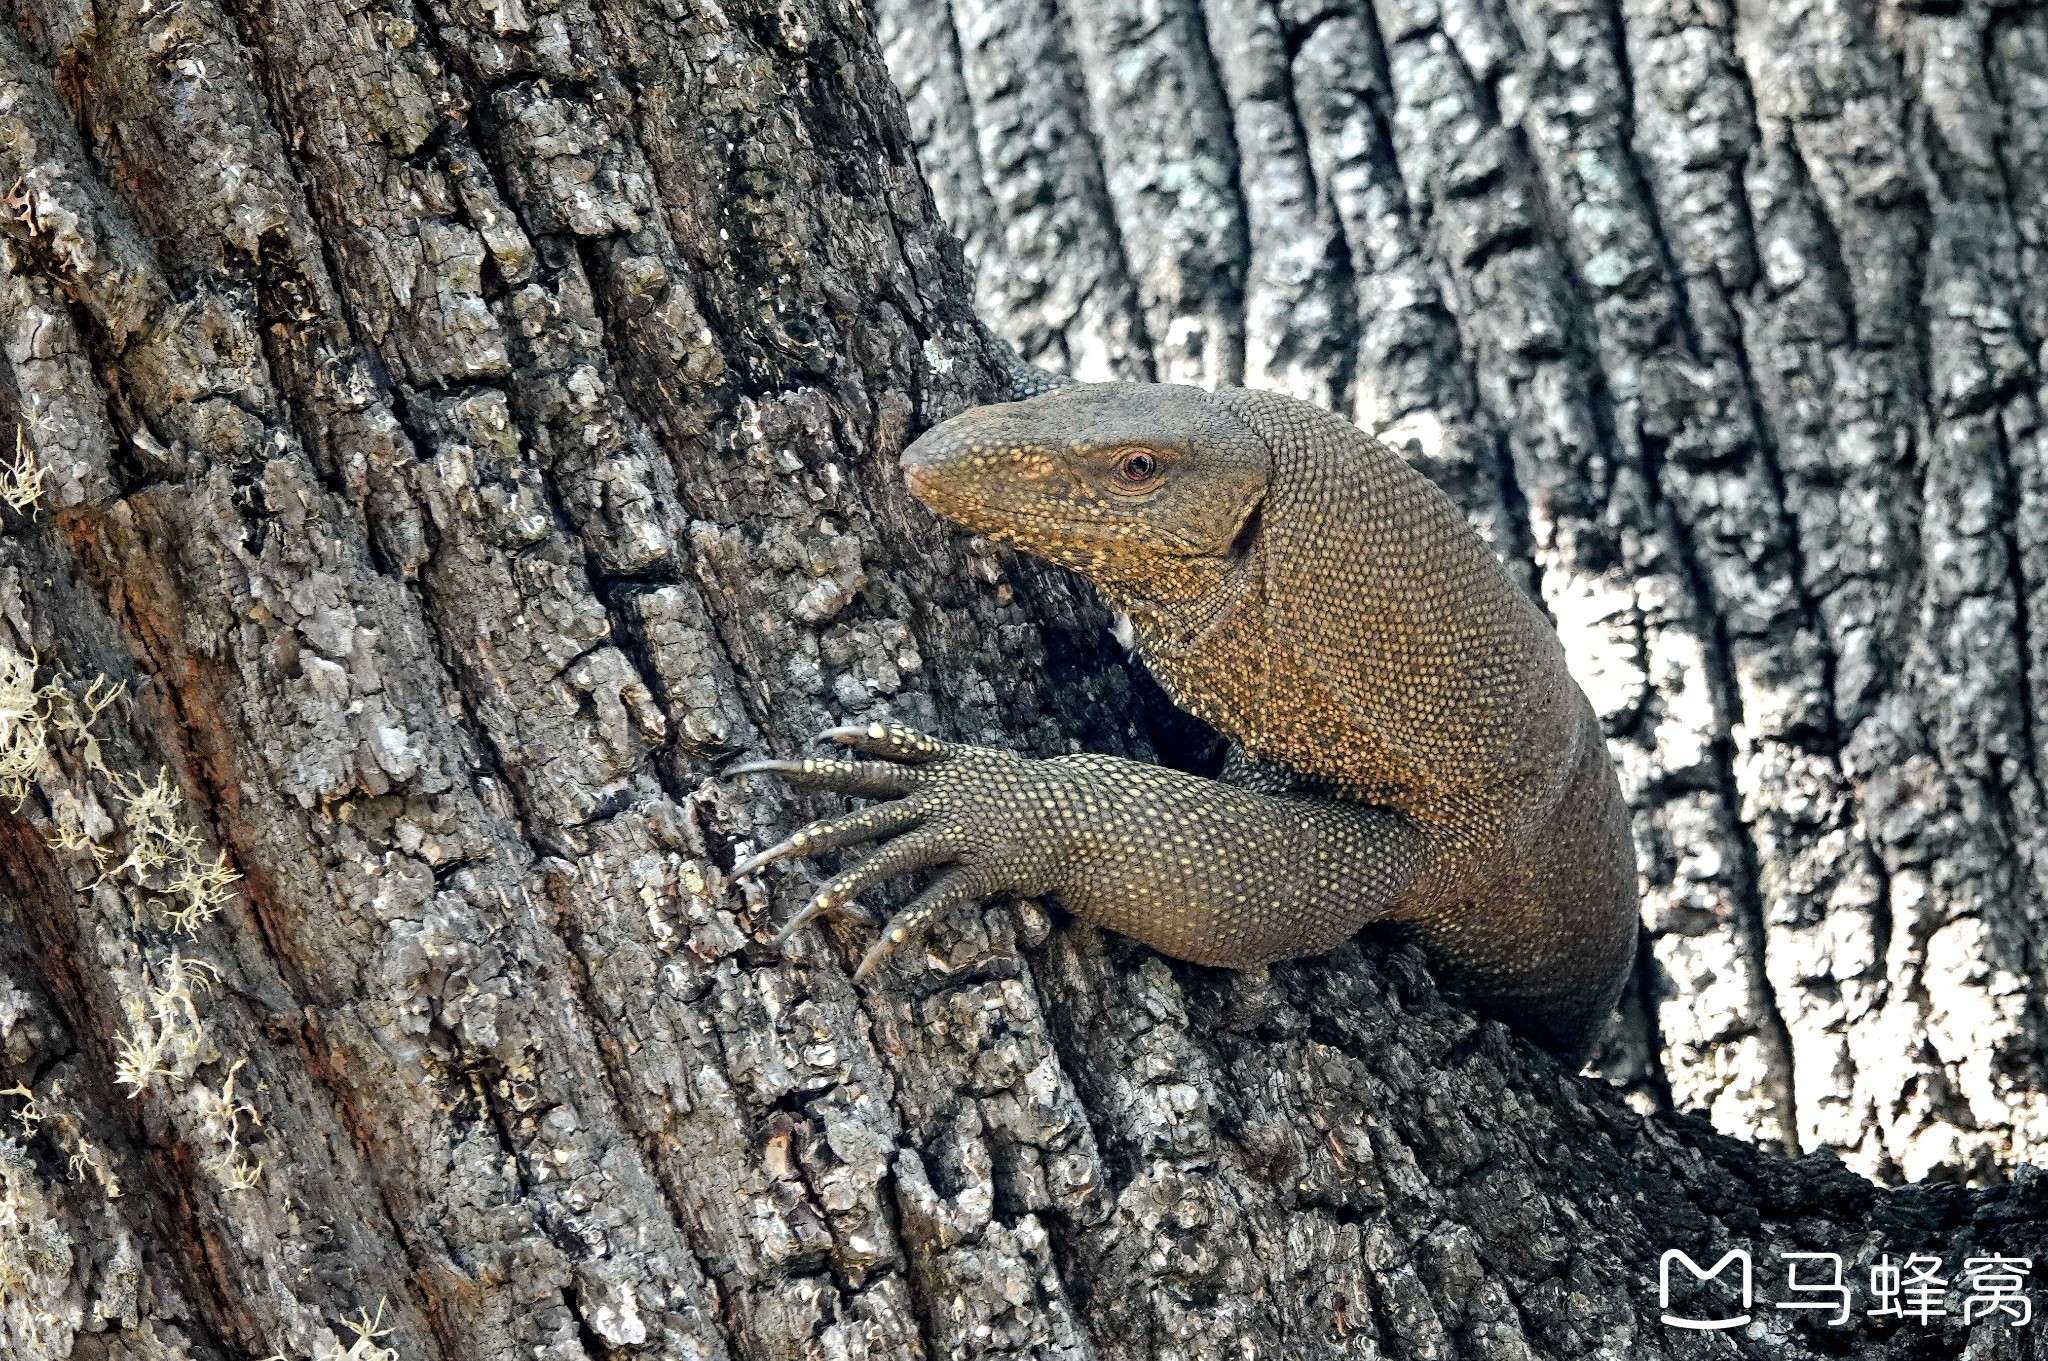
<point>1137,468</point>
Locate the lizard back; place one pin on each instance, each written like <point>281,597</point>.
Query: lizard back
<point>1378,646</point>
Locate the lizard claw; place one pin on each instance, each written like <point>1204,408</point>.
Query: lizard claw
<point>904,855</point>
<point>815,908</point>
<point>955,887</point>
<point>948,808</point>
<point>830,834</point>
<point>754,864</point>
<point>889,741</point>
<point>869,779</point>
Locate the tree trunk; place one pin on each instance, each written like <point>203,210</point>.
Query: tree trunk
<point>460,431</point>
<point>1725,322</point>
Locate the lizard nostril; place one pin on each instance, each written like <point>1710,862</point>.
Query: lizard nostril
<point>921,463</point>
<point>918,478</point>
<point>921,453</point>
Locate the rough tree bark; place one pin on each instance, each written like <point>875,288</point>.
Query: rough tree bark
<point>1726,321</point>
<point>460,429</point>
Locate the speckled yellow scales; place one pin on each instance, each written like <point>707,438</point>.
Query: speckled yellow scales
<point>1409,745</point>
<point>1180,862</point>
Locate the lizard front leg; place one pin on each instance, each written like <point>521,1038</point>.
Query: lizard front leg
<point>1196,869</point>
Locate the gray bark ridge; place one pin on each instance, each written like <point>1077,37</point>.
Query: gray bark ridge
<point>1725,325</point>
<point>466,428</point>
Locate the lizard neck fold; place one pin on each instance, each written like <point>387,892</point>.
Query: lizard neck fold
<point>1169,629</point>
<point>1371,638</point>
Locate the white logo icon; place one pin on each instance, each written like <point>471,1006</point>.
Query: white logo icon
<point>1702,1325</point>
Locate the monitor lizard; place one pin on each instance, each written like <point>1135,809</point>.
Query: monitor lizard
<point>1408,746</point>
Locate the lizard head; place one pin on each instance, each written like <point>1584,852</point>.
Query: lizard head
<point>1152,492</point>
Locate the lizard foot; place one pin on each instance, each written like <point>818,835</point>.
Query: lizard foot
<point>952,807</point>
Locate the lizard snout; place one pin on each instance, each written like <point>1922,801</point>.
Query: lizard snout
<point>944,463</point>
<point>920,464</point>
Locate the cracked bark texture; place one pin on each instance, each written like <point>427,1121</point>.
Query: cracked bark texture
<point>469,426</point>
<point>1725,323</point>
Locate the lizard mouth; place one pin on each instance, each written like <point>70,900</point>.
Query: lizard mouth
<point>921,477</point>
<point>1043,532</point>
<point>948,477</point>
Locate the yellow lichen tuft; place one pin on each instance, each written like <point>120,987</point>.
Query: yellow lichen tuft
<point>21,478</point>
<point>367,1331</point>
<point>86,1160</point>
<point>169,1035</point>
<point>168,858</point>
<point>31,1113</point>
<point>24,726</point>
<point>222,1114</point>
<point>30,714</point>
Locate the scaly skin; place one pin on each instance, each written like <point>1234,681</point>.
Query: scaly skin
<point>1409,747</point>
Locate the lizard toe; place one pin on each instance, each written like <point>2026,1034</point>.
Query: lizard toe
<point>815,908</point>
<point>889,742</point>
<point>867,779</point>
<point>958,885</point>
<point>831,834</point>
<point>916,850</point>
